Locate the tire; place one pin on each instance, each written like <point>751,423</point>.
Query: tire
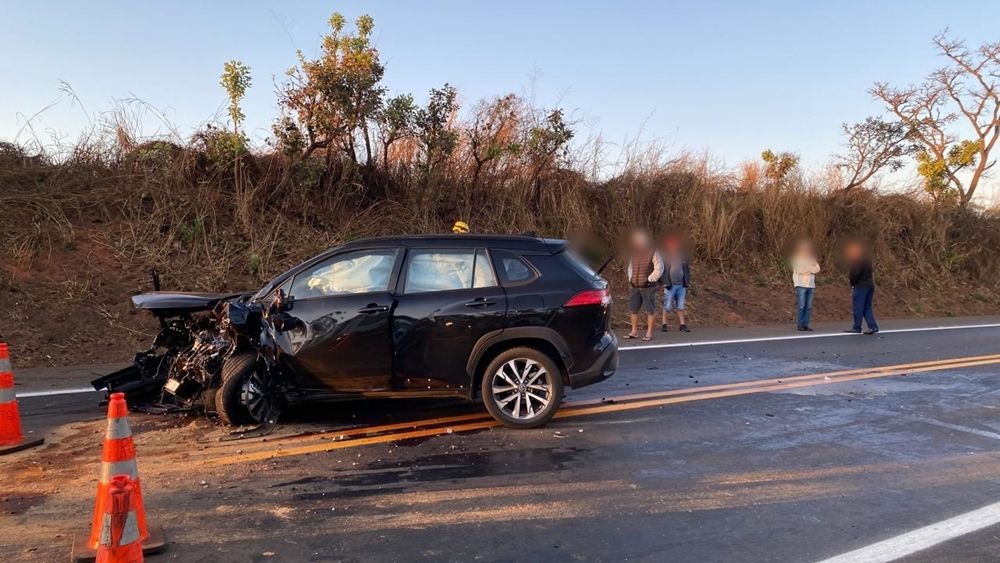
<point>505,390</point>
<point>229,405</point>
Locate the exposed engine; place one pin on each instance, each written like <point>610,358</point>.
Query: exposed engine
<point>197,367</point>
<point>184,364</point>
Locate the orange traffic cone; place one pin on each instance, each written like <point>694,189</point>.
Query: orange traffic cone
<point>11,437</point>
<point>118,458</point>
<point>120,541</point>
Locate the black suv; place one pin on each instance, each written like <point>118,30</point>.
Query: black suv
<point>508,319</point>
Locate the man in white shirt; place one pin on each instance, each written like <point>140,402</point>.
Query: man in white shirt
<point>804,270</point>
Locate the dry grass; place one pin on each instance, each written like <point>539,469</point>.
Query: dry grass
<point>119,205</point>
<point>162,204</point>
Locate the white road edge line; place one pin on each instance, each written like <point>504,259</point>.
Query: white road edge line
<point>796,337</point>
<point>959,428</point>
<point>74,391</point>
<point>922,538</point>
<point>30,394</point>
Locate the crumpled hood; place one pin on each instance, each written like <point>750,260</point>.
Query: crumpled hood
<point>177,302</point>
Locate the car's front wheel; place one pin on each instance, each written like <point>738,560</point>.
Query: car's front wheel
<point>522,388</point>
<point>244,397</point>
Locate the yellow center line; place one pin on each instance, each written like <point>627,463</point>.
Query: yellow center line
<point>426,423</point>
<point>747,391</point>
<point>699,394</point>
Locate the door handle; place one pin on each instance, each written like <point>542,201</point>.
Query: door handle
<point>480,302</point>
<point>373,308</point>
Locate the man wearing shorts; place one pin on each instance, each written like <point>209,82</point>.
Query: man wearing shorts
<point>675,278</point>
<point>645,267</point>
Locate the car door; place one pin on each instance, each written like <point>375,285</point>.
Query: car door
<point>341,308</point>
<point>449,298</point>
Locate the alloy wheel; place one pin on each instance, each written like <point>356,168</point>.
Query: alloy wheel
<point>256,396</point>
<point>522,388</point>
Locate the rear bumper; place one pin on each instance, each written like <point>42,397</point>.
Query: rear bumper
<point>603,368</point>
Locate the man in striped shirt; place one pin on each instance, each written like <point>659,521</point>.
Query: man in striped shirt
<point>645,266</point>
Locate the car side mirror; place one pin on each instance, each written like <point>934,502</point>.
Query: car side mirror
<point>281,302</point>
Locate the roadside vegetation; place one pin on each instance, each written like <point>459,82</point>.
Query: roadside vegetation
<point>84,223</point>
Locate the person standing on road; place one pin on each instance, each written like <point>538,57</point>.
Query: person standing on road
<point>862,278</point>
<point>644,269</point>
<point>675,278</point>
<point>805,266</point>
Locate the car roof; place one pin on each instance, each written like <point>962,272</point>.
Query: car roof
<point>511,242</point>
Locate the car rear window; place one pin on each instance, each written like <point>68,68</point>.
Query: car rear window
<point>579,265</point>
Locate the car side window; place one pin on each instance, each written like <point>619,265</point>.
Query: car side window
<point>439,270</point>
<point>516,269</point>
<point>484,276</point>
<point>512,268</point>
<point>364,271</point>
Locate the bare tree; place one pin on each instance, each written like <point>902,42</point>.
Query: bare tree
<point>873,145</point>
<point>962,93</point>
<point>492,133</point>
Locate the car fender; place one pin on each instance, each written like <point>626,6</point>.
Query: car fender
<point>490,339</point>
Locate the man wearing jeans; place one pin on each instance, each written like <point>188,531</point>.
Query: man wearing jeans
<point>676,275</point>
<point>862,278</point>
<point>804,270</point>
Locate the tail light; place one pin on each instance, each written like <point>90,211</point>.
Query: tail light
<point>589,297</point>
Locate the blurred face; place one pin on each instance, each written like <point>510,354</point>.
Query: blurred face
<point>639,239</point>
<point>672,243</point>
<point>854,251</point>
<point>805,248</point>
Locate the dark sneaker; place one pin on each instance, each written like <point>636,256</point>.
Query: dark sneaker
<point>801,328</point>
<point>808,328</point>
<point>854,331</point>
<point>871,331</point>
<point>664,328</point>
<point>684,328</point>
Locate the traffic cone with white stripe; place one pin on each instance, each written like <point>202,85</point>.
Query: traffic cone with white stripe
<point>11,436</point>
<point>120,541</point>
<point>117,459</point>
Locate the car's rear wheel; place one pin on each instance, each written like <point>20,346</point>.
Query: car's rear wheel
<point>244,397</point>
<point>522,388</point>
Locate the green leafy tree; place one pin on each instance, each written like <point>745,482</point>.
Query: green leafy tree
<point>547,142</point>
<point>954,115</point>
<point>328,103</point>
<point>396,121</point>
<point>433,126</point>
<point>778,167</point>
<point>236,81</point>
<point>935,172</point>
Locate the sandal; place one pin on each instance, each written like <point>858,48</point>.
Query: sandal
<point>631,336</point>
<point>647,338</point>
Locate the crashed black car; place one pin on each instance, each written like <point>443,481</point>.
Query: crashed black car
<point>508,319</point>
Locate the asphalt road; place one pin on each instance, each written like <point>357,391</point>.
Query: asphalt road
<point>879,444</point>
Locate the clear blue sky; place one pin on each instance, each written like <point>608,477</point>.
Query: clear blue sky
<point>728,77</point>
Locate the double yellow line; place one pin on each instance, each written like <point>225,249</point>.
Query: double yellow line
<point>335,440</point>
